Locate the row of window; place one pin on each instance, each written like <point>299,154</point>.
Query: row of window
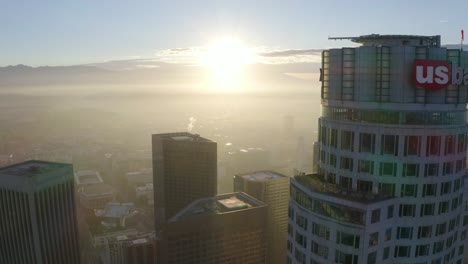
<point>389,144</point>
<point>390,168</point>
<point>394,117</point>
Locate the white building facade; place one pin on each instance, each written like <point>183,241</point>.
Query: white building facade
<point>392,142</point>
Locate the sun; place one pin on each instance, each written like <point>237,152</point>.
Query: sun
<point>226,59</point>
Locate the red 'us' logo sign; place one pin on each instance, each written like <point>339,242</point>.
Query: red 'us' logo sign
<point>431,74</point>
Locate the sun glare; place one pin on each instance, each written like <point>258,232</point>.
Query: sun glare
<point>226,59</point>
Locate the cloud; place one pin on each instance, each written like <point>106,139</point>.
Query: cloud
<point>292,52</point>
<point>304,75</point>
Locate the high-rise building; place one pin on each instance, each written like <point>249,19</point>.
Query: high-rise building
<point>184,170</point>
<point>228,228</point>
<point>38,222</point>
<point>392,142</point>
<point>272,189</point>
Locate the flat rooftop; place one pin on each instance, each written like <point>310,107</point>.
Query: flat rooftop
<point>182,136</point>
<point>116,210</point>
<point>219,204</point>
<point>88,177</point>
<point>261,176</point>
<point>394,40</point>
<point>31,168</point>
<point>315,183</point>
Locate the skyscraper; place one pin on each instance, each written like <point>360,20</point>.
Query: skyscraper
<point>37,214</point>
<point>272,189</point>
<point>184,170</point>
<point>228,228</point>
<point>392,141</point>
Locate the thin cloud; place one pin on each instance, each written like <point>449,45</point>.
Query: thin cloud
<point>292,52</point>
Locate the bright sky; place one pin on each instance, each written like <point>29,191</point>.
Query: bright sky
<point>57,32</point>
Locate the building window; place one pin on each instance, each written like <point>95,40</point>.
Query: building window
<point>410,170</point>
<point>333,137</point>
<point>388,234</point>
<point>346,182</point>
<point>364,186</point>
<point>389,145</point>
<point>375,217</point>
<point>445,187</point>
<point>449,144</point>
<point>402,251</point>
<point>332,160</point>
<point>409,190</point>
<point>321,231</point>
<point>433,146</point>
<point>425,231</point>
<point>374,239</point>
<point>301,240</point>
<point>441,229</point>
<point>347,239</point>
<point>461,143</point>
<point>404,233</point>
<point>448,168</point>
<point>372,258</point>
<point>460,166</point>
<point>386,253</point>
<point>341,257</point>
<point>431,169</point>
<point>412,146</point>
<point>438,247</point>
<point>346,163</point>
<point>300,257</point>
<point>366,142</point>
<point>429,189</point>
<point>347,140</point>
<point>443,207</point>
<point>366,166</point>
<point>323,135</point>
<point>427,209</point>
<point>422,250</point>
<point>291,213</point>
<point>301,222</point>
<point>387,189</point>
<point>319,250</point>
<point>407,210</point>
<point>387,169</point>
<point>390,211</point>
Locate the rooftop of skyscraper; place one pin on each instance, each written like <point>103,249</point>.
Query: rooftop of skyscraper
<point>261,176</point>
<point>31,168</point>
<point>183,136</point>
<point>394,40</point>
<point>219,204</point>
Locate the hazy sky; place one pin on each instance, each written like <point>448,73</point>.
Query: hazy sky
<point>64,32</point>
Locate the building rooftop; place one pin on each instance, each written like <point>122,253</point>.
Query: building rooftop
<point>116,210</point>
<point>219,204</point>
<point>261,176</point>
<point>316,183</point>
<point>84,177</point>
<point>31,168</point>
<point>182,136</point>
<point>394,40</point>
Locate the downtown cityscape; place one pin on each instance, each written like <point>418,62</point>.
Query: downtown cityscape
<point>179,133</point>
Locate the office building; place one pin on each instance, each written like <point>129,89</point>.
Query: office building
<point>228,228</point>
<point>272,189</point>
<point>392,143</point>
<point>184,170</point>
<point>38,222</point>
<point>96,196</point>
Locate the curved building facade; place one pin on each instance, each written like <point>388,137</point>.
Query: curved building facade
<point>392,139</point>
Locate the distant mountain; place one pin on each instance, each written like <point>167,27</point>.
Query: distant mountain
<point>156,76</point>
